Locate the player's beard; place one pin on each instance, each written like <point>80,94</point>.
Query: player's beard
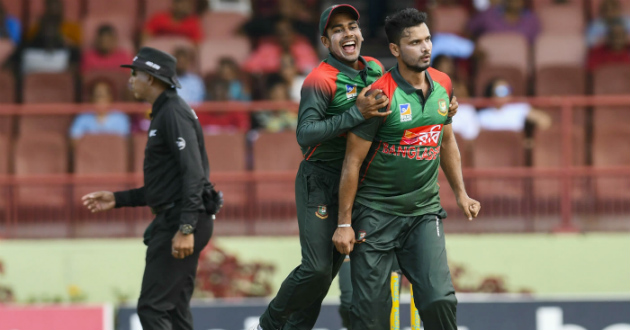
<point>415,64</point>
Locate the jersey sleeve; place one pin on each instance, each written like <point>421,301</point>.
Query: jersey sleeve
<point>377,62</point>
<point>313,126</point>
<point>368,129</point>
<point>132,197</point>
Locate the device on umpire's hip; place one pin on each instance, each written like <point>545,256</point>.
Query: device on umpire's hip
<point>212,201</point>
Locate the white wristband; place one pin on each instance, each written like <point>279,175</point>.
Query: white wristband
<point>344,225</point>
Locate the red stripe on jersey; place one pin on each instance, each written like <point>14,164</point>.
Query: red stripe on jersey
<point>323,77</point>
<point>368,165</point>
<point>443,79</point>
<point>388,85</point>
<point>311,154</point>
<point>372,59</point>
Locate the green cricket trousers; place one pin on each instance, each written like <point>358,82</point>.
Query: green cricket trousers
<point>417,242</point>
<point>298,302</point>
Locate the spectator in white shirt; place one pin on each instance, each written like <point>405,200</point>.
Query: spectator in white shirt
<point>505,115</point>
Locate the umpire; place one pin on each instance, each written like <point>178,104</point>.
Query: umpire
<point>177,189</point>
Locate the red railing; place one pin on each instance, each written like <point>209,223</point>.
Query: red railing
<point>566,198</point>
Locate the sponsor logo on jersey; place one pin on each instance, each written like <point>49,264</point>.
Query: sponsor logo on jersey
<point>351,91</point>
<point>152,133</point>
<point>427,136</point>
<point>411,152</point>
<point>322,212</point>
<point>405,112</point>
<point>442,108</point>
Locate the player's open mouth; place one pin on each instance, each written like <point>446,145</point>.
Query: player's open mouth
<point>349,47</point>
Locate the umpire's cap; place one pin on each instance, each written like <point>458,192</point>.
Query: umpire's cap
<point>325,17</point>
<point>156,63</point>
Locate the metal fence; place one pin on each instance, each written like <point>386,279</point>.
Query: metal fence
<point>565,196</point>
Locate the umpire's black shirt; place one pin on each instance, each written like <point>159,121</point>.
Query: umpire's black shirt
<point>175,161</point>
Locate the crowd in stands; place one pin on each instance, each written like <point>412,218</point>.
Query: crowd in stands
<point>489,48</point>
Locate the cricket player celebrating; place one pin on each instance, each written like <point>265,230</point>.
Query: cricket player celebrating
<point>333,101</point>
<point>390,175</point>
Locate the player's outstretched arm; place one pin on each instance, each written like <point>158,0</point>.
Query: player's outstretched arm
<point>356,151</point>
<point>451,163</point>
<point>313,126</point>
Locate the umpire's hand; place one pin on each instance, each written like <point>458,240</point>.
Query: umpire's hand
<point>344,240</point>
<point>99,201</point>
<point>183,245</point>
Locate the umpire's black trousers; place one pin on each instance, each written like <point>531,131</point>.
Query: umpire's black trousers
<point>168,283</point>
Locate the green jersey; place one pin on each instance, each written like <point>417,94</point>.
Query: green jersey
<point>328,110</point>
<point>399,175</point>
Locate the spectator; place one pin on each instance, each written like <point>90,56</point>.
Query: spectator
<point>276,121</point>
<point>103,120</point>
<point>506,115</point>
<point>266,58</point>
<point>229,71</point>
<point>616,50</point>
<point>53,18</point>
<point>193,89</point>
<point>292,77</point>
<point>10,27</point>
<point>48,50</point>
<point>609,11</point>
<point>302,14</point>
<point>466,123</point>
<point>106,54</point>
<point>222,122</point>
<point>181,20</point>
<point>510,16</point>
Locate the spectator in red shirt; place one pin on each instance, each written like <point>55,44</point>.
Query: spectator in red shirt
<point>106,54</point>
<point>222,122</point>
<point>179,21</point>
<point>266,58</point>
<point>616,50</point>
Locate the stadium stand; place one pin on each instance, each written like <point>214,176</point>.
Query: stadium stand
<point>125,30</point>
<point>260,172</point>
<point>267,158</point>
<point>48,88</point>
<point>40,154</point>
<point>7,92</point>
<point>449,19</point>
<point>235,47</point>
<point>221,25</point>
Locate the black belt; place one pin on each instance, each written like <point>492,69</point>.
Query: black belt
<point>162,208</point>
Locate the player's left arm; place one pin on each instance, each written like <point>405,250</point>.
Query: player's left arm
<point>356,151</point>
<point>451,163</point>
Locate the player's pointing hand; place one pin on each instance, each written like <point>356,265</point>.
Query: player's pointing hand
<point>370,102</point>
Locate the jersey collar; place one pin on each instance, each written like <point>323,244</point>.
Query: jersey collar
<point>159,102</point>
<point>407,87</point>
<point>348,71</point>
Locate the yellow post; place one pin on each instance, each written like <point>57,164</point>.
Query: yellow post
<point>394,319</point>
<point>415,316</point>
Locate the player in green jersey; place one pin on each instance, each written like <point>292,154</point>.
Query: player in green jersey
<point>333,101</point>
<point>390,176</point>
